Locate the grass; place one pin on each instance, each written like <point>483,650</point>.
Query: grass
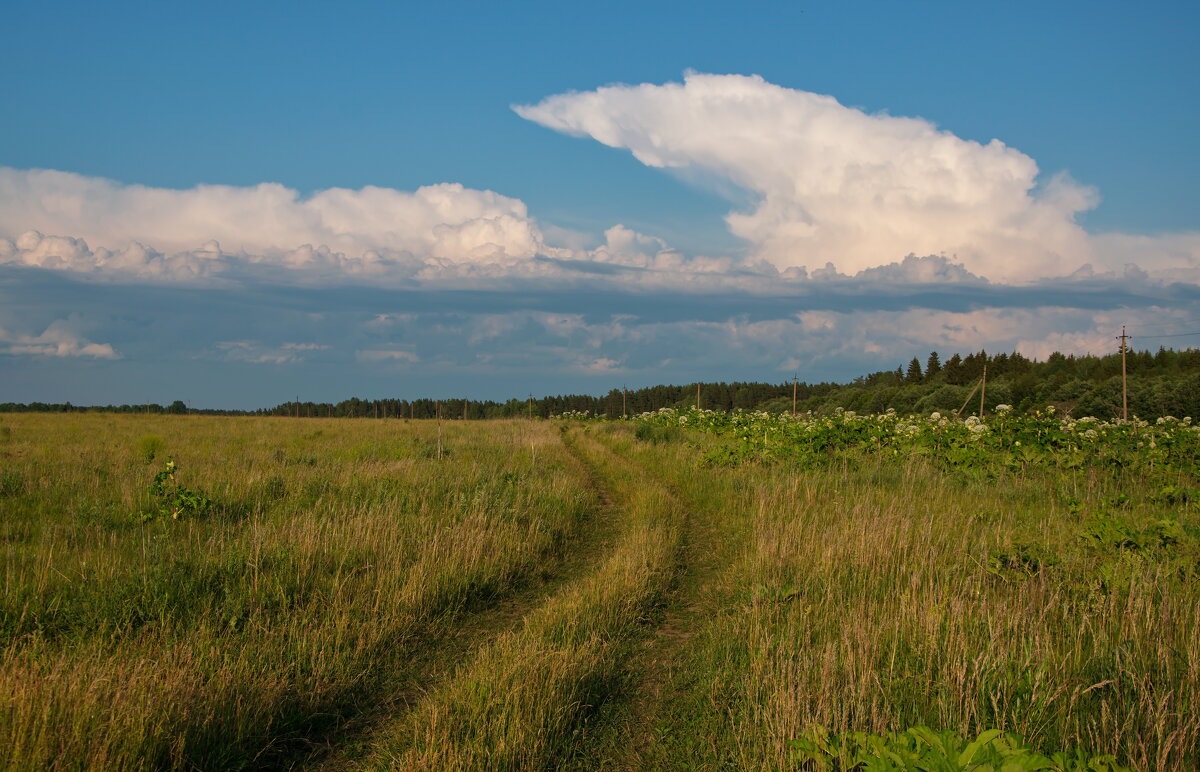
<point>522,701</point>
<point>877,596</point>
<point>723,614</point>
<point>216,642</point>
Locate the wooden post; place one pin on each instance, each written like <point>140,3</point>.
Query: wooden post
<point>966,401</point>
<point>1124,377</point>
<point>697,396</point>
<point>982,390</point>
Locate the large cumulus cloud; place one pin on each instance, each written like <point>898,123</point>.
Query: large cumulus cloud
<point>834,184</point>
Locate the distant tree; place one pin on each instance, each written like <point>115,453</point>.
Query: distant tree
<point>933,366</point>
<point>952,372</point>
<point>177,407</point>
<point>913,375</point>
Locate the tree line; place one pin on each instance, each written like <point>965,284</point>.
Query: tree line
<point>1166,382</point>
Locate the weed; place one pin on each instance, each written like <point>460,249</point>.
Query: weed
<point>12,483</point>
<point>818,750</point>
<point>657,433</point>
<point>174,499</point>
<point>149,446</point>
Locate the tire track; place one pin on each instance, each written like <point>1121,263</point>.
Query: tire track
<point>643,720</point>
<point>451,641</point>
<point>527,700</point>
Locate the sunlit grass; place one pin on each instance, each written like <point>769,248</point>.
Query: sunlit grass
<point>880,595</point>
<point>860,592</point>
<point>218,640</point>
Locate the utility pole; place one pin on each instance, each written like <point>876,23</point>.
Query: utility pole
<point>1124,376</point>
<point>437,409</point>
<point>982,390</point>
<point>795,380</point>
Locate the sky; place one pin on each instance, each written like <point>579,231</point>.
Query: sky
<point>241,204</point>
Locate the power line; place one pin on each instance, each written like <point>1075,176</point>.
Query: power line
<point>1176,335</point>
<point>1172,323</point>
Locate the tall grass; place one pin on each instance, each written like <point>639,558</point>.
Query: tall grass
<point>880,595</point>
<point>218,641</point>
<point>864,593</point>
<point>521,702</point>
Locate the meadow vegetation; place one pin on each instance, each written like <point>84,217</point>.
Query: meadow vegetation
<point>686,590</point>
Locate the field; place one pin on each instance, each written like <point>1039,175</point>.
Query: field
<point>680,591</point>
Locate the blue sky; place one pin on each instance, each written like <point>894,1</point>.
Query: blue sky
<point>733,192</point>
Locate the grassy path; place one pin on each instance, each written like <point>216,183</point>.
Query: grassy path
<point>645,728</point>
<point>526,698</point>
<point>454,638</point>
<point>267,638</point>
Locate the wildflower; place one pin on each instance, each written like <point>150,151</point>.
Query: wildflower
<point>1003,408</point>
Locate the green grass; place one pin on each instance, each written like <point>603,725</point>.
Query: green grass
<point>880,595</point>
<point>218,641</point>
<point>521,595</point>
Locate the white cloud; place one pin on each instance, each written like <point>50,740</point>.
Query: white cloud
<point>60,339</point>
<point>837,185</point>
<point>841,195</point>
<point>446,221</point>
<point>304,346</point>
<point>386,355</point>
<point>255,352</point>
<point>813,343</point>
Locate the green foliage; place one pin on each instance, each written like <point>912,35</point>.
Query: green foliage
<point>149,446</point>
<point>656,433</point>
<point>1021,560</point>
<point>11,483</point>
<point>1173,494</point>
<point>921,748</point>
<point>1111,533</point>
<point>1002,441</point>
<point>175,500</point>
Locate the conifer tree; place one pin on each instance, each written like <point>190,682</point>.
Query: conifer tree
<point>933,366</point>
<point>914,371</point>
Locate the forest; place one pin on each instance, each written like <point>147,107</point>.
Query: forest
<point>1165,382</point>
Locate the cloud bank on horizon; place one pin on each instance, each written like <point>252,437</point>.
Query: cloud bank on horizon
<point>867,234</point>
<point>835,189</point>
